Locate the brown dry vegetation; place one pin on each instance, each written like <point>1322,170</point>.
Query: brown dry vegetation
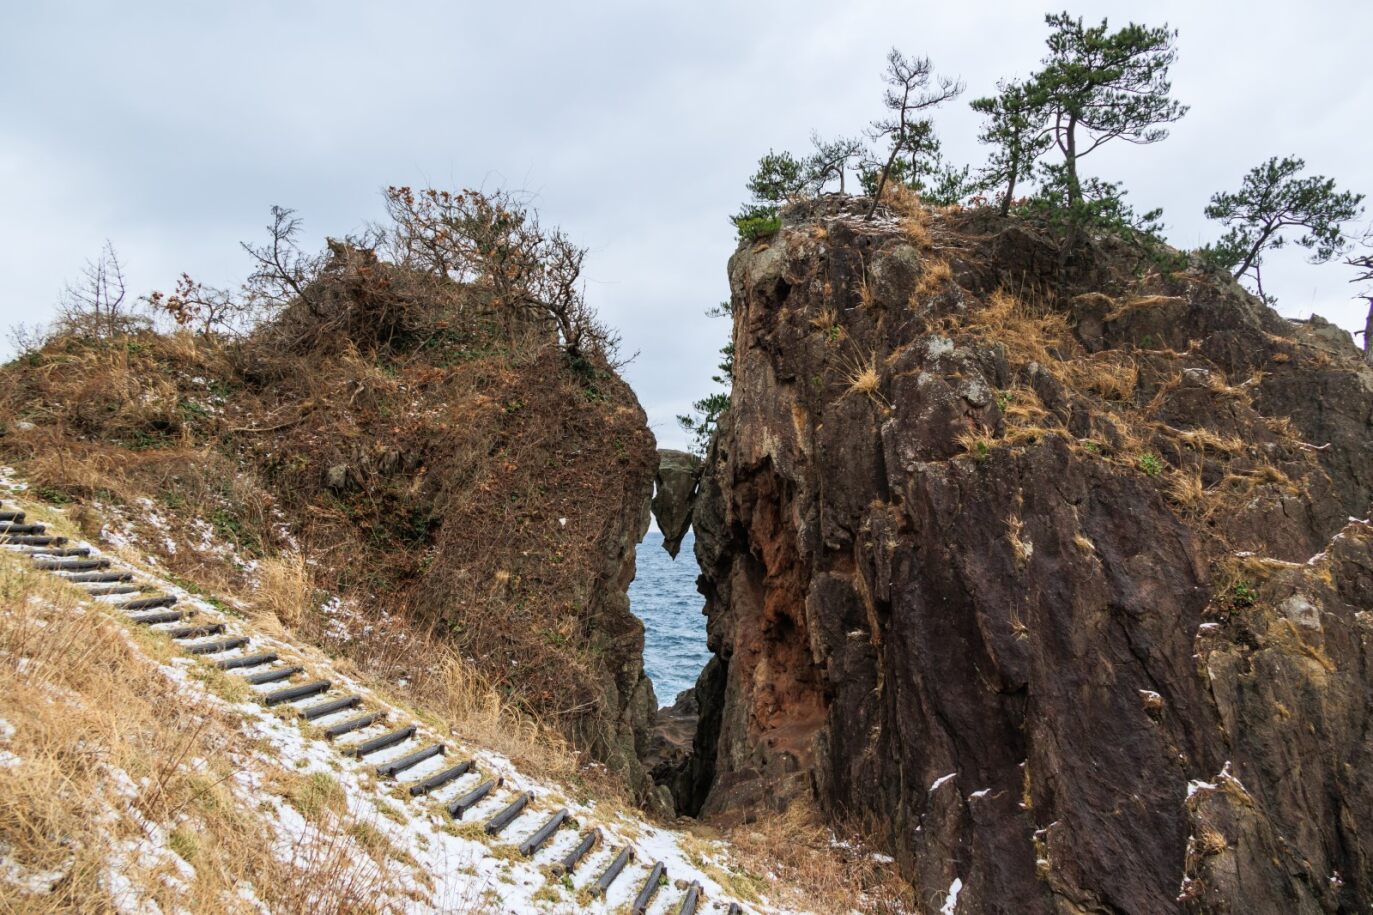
<point>814,866</point>
<point>465,483</point>
<point>113,765</point>
<point>1126,390</point>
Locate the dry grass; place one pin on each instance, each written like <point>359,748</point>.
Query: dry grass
<point>1210,841</point>
<point>1030,333</point>
<point>116,766</point>
<point>1185,488</point>
<point>915,216</point>
<point>862,377</point>
<point>808,870</point>
<point>976,442</point>
<point>826,321</point>
<point>1111,375</point>
<point>284,589</point>
<point>935,277</point>
<point>1020,545</point>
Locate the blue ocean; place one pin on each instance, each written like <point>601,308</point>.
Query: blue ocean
<point>663,595</point>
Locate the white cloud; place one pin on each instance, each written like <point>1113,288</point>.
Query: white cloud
<point>170,128</point>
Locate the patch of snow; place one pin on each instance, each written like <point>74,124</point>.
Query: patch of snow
<point>951,900</point>
<point>941,780</point>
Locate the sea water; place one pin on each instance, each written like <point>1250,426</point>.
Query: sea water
<point>663,595</point>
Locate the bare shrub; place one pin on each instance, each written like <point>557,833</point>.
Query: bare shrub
<point>493,243</point>
<point>96,305</point>
<point>203,309</point>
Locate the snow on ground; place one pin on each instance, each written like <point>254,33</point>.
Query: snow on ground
<point>438,864</point>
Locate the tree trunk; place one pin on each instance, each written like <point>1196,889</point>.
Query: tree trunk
<point>1368,334</point>
<point>1010,191</point>
<point>1070,160</point>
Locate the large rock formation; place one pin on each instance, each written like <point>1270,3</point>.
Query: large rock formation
<point>673,495</point>
<point>452,476</point>
<point>1045,573</point>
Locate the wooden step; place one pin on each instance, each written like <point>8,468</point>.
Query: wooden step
<point>61,564</point>
<point>457,808</point>
<point>439,779</point>
<point>397,766</point>
<point>355,724</point>
<point>160,616</point>
<point>275,675</point>
<point>247,660</point>
<point>603,882</point>
<point>32,540</point>
<point>148,603</point>
<point>83,578</point>
<point>310,713</point>
<point>198,631</point>
<point>217,646</point>
<point>14,517</point>
<point>534,842</point>
<point>19,527</point>
<point>650,887</point>
<point>570,860</point>
<point>106,590</point>
<point>56,551</point>
<point>377,744</point>
<point>503,819</point>
<point>692,900</point>
<point>292,693</point>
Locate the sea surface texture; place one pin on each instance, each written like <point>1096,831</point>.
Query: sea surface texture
<point>663,595</point>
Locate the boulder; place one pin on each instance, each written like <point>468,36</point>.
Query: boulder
<point>674,493</point>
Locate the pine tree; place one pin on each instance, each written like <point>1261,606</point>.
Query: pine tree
<point>1097,86</point>
<point>705,413</point>
<point>907,130</point>
<point>1273,201</point>
<point>1015,130</point>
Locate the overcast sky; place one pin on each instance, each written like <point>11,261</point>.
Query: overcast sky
<point>170,128</point>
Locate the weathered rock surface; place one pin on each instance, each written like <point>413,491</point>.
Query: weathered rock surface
<point>673,495</point>
<point>1059,596</point>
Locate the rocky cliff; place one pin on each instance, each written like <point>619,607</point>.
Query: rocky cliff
<point>436,476</point>
<point>1046,568</point>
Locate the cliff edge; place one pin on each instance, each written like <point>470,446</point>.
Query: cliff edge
<point>1045,567</point>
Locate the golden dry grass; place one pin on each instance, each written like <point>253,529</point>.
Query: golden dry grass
<point>915,216</point>
<point>114,765</point>
<point>1111,375</point>
<point>284,589</point>
<point>807,869</point>
<point>936,276</point>
<point>863,378</point>
<point>825,321</point>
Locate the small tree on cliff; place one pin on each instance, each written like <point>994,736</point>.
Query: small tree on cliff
<point>705,413</point>
<point>779,178</point>
<point>832,160</point>
<point>1363,264</point>
<point>908,129</point>
<point>1274,200</point>
<point>1098,86</point>
<point>1015,129</point>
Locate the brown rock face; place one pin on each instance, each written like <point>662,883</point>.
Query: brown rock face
<point>1041,571</point>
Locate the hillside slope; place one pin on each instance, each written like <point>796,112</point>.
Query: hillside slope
<point>441,469</point>
<point>160,751</point>
<point>1044,568</point>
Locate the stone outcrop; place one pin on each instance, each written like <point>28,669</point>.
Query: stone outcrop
<point>1043,573</point>
<point>674,493</point>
